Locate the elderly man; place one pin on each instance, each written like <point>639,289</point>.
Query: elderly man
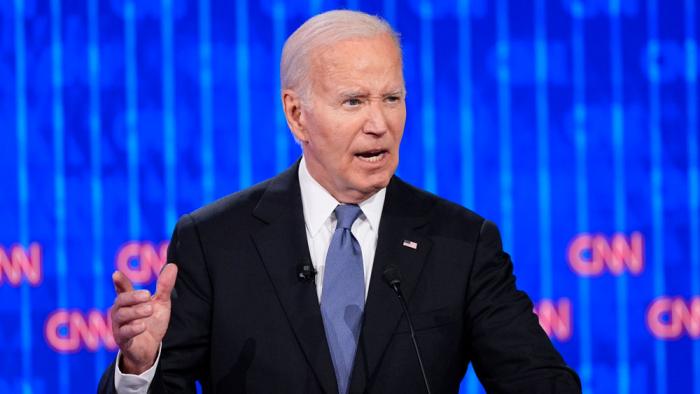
<point>281,288</point>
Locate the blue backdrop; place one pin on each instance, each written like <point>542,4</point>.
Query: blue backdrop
<point>572,124</point>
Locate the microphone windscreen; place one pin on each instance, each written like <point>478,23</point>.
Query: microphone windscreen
<point>392,275</point>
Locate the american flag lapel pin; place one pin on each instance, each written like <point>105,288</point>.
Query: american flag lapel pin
<point>410,244</point>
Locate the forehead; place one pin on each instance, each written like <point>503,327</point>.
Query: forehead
<point>360,60</point>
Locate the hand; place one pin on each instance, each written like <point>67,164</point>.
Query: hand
<point>139,321</point>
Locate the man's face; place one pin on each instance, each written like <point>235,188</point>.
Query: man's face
<point>353,122</point>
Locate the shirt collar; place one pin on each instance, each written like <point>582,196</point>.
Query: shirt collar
<point>318,204</point>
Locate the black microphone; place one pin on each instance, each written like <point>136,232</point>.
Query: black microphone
<point>306,272</point>
<point>392,277</point>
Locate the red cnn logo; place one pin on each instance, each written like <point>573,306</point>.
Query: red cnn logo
<point>671,317</point>
<point>17,263</point>
<point>140,261</point>
<point>555,319</point>
<point>70,331</point>
<point>589,254</point>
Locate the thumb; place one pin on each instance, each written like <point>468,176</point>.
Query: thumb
<point>166,282</point>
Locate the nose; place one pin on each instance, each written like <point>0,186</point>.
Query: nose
<point>376,123</point>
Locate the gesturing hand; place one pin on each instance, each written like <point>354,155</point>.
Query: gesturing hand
<point>139,321</point>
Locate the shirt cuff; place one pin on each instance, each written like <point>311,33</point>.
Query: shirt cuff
<point>126,383</point>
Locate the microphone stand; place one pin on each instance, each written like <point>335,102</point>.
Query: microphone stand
<point>393,279</point>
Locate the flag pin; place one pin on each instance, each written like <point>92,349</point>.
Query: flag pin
<point>410,244</point>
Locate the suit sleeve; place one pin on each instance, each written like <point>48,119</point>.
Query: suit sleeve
<point>185,353</point>
<point>510,351</point>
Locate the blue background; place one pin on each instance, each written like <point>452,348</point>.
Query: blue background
<point>552,118</point>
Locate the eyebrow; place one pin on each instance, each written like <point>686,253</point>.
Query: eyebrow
<point>395,92</point>
<point>353,94</point>
<point>361,94</point>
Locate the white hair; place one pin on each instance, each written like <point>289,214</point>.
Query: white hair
<point>320,31</point>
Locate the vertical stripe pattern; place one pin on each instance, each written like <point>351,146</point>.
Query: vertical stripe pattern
<point>466,118</point>
<point>618,133</point>
<point>23,189</point>
<point>169,124</point>
<point>543,178</point>
<point>582,211</point>
<point>282,135</point>
<point>206,101</point>
<point>428,102</point>
<point>470,384</point>
<point>503,72</point>
<point>245,176</point>
<point>573,124</point>
<point>96,195</point>
<point>691,77</point>
<point>132,137</point>
<point>656,181</point>
<point>59,178</point>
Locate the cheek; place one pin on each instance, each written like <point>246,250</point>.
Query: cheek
<point>320,131</point>
<point>334,143</point>
<point>397,122</point>
<point>342,136</point>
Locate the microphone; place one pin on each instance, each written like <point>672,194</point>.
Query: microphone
<point>306,272</point>
<point>392,277</point>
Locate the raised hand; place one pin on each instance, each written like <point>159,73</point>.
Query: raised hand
<point>139,320</point>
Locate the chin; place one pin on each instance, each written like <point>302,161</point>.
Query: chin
<point>376,183</point>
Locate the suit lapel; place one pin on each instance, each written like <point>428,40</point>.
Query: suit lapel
<point>404,213</point>
<point>282,246</point>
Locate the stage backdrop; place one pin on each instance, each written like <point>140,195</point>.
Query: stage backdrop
<point>571,124</point>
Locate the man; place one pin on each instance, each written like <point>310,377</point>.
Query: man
<point>245,314</point>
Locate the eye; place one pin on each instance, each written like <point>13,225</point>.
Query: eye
<point>393,99</point>
<point>352,102</point>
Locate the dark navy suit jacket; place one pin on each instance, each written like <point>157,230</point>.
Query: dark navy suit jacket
<point>243,322</point>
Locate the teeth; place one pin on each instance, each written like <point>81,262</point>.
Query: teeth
<point>372,159</point>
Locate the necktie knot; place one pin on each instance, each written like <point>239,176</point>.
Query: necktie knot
<point>346,214</point>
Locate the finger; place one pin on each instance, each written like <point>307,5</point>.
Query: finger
<point>126,315</point>
<point>121,282</point>
<point>166,282</point>
<point>128,331</point>
<point>132,298</point>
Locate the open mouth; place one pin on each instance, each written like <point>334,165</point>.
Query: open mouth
<point>372,156</point>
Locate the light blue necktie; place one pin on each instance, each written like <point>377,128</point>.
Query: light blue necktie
<point>343,294</point>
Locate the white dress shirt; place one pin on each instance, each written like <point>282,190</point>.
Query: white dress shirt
<point>318,206</point>
<point>320,221</point>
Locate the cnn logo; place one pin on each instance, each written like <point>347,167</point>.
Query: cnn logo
<point>592,254</point>
<point>555,318</point>
<point>70,331</point>
<point>673,317</point>
<point>141,261</point>
<point>17,263</point>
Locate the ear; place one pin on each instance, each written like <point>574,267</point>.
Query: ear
<point>293,111</point>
